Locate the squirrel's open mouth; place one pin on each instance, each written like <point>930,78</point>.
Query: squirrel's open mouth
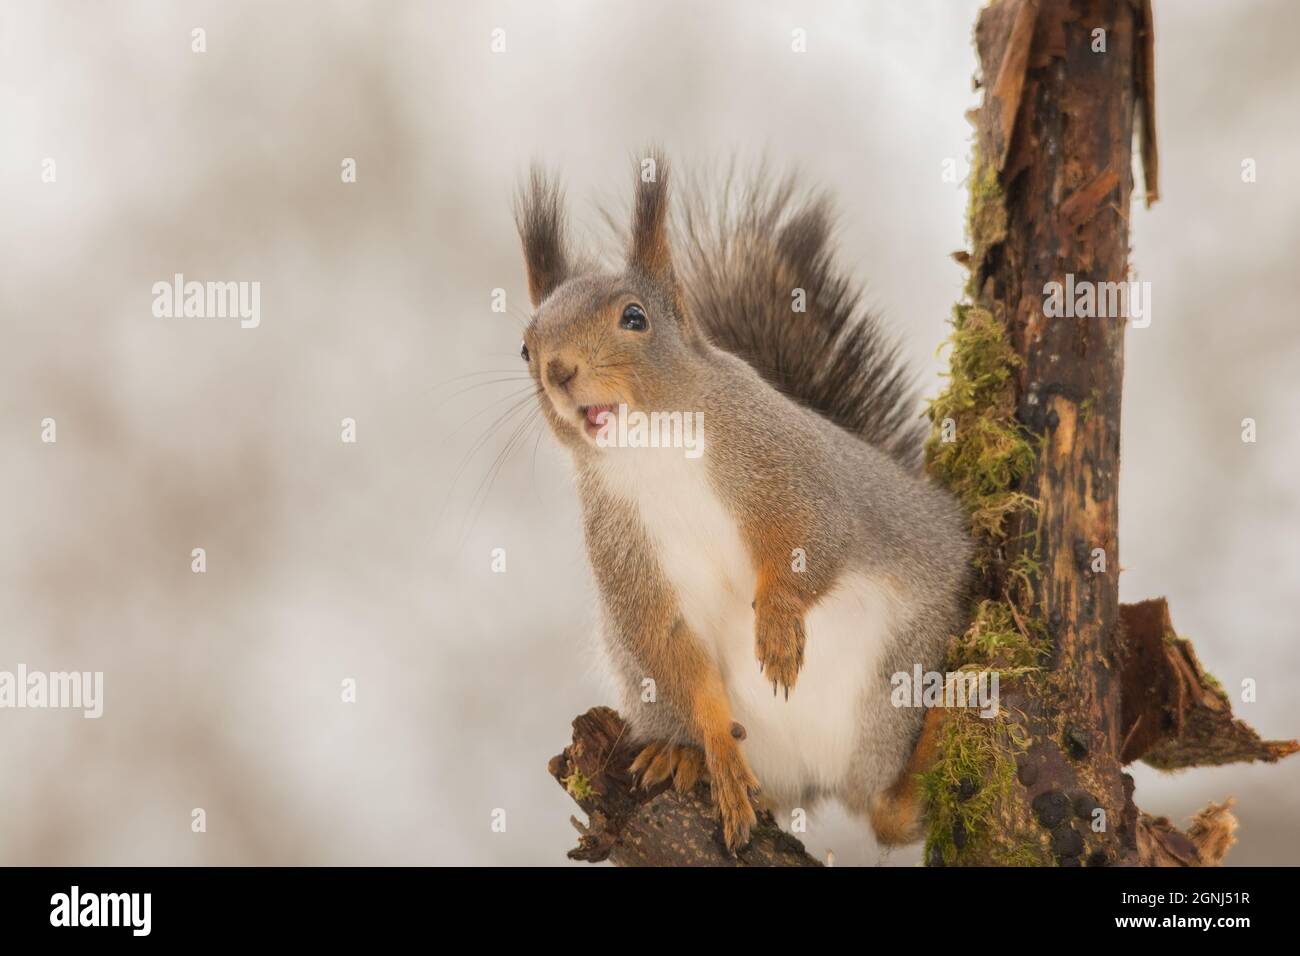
<point>594,417</point>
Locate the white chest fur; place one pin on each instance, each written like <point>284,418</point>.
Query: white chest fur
<point>793,746</point>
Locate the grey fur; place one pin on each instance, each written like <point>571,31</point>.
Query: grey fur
<point>745,254</point>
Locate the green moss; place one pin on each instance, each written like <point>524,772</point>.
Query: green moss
<point>1209,680</point>
<point>976,445</point>
<point>1025,569</point>
<point>986,218</point>
<point>1089,404</point>
<point>979,449</point>
<point>968,789</point>
<point>578,785</point>
<point>996,640</point>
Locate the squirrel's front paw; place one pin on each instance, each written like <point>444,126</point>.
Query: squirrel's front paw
<point>779,643</point>
<point>733,786</point>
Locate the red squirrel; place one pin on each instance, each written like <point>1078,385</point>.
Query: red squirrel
<point>767,587</point>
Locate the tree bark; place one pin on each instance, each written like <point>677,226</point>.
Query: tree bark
<point>1055,132</point>
<point>655,827</point>
<point>1175,715</point>
<point>1071,83</point>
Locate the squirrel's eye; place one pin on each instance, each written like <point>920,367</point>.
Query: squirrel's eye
<point>523,351</point>
<point>634,319</point>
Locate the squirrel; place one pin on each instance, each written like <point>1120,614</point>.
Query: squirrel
<point>768,588</point>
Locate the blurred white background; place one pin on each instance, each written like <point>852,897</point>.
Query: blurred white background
<point>371,561</point>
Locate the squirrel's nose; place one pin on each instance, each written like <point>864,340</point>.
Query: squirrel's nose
<point>558,374</point>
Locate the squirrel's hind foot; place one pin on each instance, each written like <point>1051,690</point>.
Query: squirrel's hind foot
<point>732,784</point>
<point>659,761</point>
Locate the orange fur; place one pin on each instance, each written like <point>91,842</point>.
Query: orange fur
<point>782,597</point>
<point>897,814</point>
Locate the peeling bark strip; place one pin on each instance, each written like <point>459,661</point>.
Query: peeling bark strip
<point>1147,95</point>
<point>1174,714</point>
<point>1005,95</point>
<point>655,827</point>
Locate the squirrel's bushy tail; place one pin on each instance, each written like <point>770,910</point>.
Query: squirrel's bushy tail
<point>745,255</point>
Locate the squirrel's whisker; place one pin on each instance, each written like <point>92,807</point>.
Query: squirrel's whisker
<point>510,380</point>
<point>482,440</point>
<point>523,373</point>
<point>519,398</point>
<point>485,486</point>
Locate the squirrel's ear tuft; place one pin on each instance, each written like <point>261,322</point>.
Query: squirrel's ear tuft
<point>650,249</point>
<point>539,214</point>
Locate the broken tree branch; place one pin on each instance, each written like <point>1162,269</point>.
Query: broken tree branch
<point>1175,715</point>
<point>656,827</point>
<point>1206,842</point>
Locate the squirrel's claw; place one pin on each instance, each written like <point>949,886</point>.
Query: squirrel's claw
<point>730,780</point>
<point>659,761</point>
<point>733,786</point>
<point>779,646</point>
